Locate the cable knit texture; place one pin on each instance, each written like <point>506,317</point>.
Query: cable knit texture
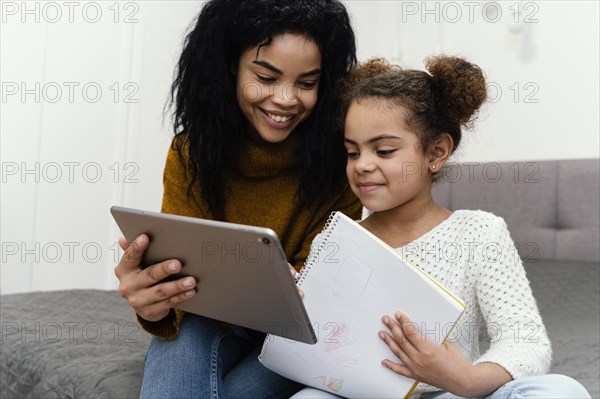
<point>260,191</point>
<point>472,254</point>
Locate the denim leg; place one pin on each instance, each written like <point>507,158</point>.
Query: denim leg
<point>250,379</point>
<point>192,365</point>
<point>549,386</point>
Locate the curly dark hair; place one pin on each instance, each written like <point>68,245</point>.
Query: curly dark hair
<point>207,118</point>
<point>440,102</point>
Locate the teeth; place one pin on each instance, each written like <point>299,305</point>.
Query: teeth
<point>279,118</point>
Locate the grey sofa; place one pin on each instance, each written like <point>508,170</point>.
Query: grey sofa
<point>85,343</point>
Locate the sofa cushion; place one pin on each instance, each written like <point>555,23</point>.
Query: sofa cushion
<point>568,297</point>
<point>551,207</point>
<point>578,211</point>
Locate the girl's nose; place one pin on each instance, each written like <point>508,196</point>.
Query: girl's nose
<point>364,164</point>
<point>285,95</point>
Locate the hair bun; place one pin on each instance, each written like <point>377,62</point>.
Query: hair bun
<point>461,86</point>
<point>364,72</point>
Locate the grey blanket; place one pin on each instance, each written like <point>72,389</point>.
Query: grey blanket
<point>86,344</point>
<point>70,344</point>
<point>568,296</point>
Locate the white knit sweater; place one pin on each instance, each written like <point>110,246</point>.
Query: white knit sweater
<point>472,254</point>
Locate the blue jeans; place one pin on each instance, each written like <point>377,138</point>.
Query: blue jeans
<point>211,359</point>
<point>549,386</point>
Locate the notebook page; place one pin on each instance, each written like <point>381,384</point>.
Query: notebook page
<point>349,286</point>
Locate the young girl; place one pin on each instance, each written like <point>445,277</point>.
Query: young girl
<point>399,121</point>
<point>256,143</point>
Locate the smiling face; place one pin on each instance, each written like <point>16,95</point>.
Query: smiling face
<point>386,167</point>
<point>277,85</point>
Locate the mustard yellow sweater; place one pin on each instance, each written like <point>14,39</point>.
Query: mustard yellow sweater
<point>259,191</point>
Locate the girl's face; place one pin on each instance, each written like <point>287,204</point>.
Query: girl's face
<point>386,165</point>
<point>277,86</point>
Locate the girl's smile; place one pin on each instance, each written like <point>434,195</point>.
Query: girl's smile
<point>278,84</point>
<point>277,119</point>
<point>368,187</point>
<point>385,159</point>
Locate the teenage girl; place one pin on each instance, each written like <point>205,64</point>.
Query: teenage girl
<point>256,143</point>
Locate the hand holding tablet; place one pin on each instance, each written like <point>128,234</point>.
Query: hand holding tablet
<point>143,289</point>
<point>244,275</point>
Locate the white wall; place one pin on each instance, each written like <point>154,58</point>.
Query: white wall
<point>67,158</point>
<point>552,64</point>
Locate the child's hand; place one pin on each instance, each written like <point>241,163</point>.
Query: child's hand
<point>442,366</point>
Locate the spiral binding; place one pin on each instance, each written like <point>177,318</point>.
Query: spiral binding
<point>314,255</point>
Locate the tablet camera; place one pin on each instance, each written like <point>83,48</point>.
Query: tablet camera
<point>266,241</point>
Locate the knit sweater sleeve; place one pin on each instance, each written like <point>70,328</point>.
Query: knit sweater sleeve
<point>518,338</point>
<point>175,201</point>
<point>346,203</point>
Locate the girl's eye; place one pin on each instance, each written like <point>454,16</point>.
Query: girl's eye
<point>265,79</point>
<point>384,153</point>
<point>308,85</point>
<point>352,155</point>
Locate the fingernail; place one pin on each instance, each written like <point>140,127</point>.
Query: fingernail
<point>381,335</point>
<point>139,240</point>
<point>172,266</point>
<point>188,282</point>
<point>398,315</point>
<point>385,319</point>
<point>190,293</point>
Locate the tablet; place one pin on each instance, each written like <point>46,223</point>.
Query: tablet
<point>242,271</point>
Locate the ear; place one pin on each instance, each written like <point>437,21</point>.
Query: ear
<point>439,152</point>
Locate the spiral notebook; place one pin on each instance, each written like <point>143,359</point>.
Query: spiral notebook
<point>350,281</point>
